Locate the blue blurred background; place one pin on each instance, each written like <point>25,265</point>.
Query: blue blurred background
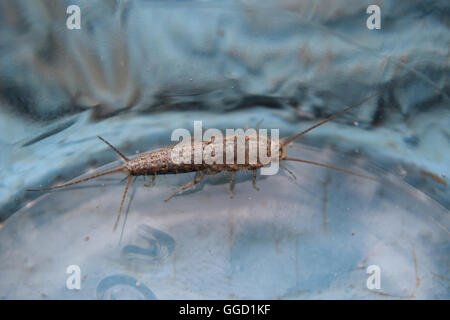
<point>136,70</point>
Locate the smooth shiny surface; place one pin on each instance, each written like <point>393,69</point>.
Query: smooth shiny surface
<point>313,237</point>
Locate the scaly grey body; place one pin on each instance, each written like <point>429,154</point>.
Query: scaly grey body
<point>161,162</point>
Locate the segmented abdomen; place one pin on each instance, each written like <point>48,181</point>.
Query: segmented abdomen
<point>238,153</point>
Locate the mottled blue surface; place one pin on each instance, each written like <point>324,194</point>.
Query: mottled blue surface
<point>139,69</point>
<point>313,237</point>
